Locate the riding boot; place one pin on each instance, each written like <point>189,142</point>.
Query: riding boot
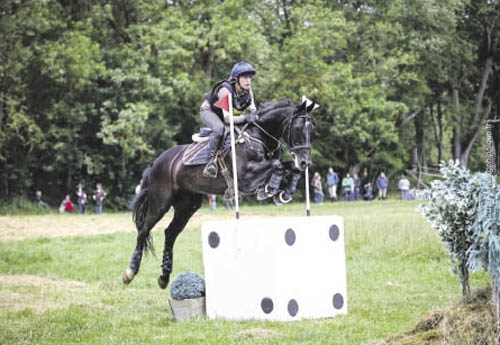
<point>211,167</point>
<point>285,196</point>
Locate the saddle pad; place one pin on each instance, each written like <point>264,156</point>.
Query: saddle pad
<point>197,153</point>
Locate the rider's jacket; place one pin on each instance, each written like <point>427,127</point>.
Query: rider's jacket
<point>240,102</point>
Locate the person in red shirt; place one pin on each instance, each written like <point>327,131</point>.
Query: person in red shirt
<point>66,205</point>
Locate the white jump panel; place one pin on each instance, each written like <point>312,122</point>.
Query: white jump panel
<point>280,269</point>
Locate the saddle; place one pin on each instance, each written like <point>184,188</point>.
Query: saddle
<point>197,152</point>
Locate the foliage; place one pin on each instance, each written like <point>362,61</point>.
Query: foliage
<point>485,250</point>
<point>465,210</point>
<point>91,91</point>
<point>451,210</point>
<point>187,285</point>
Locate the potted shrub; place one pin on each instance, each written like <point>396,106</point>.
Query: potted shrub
<point>187,293</point>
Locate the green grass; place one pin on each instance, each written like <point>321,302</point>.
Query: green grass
<point>397,272</point>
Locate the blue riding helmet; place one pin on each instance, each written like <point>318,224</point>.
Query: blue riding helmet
<point>242,67</point>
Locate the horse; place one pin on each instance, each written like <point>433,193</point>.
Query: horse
<point>169,183</point>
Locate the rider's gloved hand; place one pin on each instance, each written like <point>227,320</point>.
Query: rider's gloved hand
<point>252,117</point>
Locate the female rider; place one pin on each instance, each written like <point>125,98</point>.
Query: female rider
<point>239,85</point>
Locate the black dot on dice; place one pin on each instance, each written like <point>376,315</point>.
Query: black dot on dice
<point>334,233</point>
<point>338,301</point>
<point>213,239</point>
<point>293,307</point>
<point>290,237</point>
<point>267,305</point>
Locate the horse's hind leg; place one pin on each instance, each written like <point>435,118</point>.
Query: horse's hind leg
<point>149,219</point>
<point>185,206</point>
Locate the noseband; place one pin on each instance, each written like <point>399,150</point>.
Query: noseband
<point>288,128</point>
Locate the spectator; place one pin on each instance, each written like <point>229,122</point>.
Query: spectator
<point>81,200</point>
<point>368,196</point>
<point>332,180</point>
<point>404,187</point>
<point>347,187</point>
<point>228,204</point>
<point>318,188</point>
<point>357,187</point>
<point>66,205</point>
<point>382,185</point>
<point>99,196</point>
<point>212,200</point>
<point>39,202</point>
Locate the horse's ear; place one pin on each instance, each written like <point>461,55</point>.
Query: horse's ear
<point>308,104</point>
<point>312,106</point>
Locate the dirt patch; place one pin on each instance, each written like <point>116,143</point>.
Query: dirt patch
<point>15,228</point>
<point>39,294</point>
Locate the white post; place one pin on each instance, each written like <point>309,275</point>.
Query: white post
<point>308,203</point>
<point>233,155</point>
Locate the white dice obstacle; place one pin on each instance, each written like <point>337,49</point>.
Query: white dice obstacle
<point>280,269</point>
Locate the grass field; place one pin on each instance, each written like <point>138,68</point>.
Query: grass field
<point>60,280</point>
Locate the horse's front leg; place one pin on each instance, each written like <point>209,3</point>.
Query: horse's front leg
<point>285,196</point>
<point>273,185</point>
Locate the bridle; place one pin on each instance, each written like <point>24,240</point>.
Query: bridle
<point>289,128</point>
<point>288,134</point>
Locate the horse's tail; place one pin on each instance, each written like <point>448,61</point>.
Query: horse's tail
<point>140,206</point>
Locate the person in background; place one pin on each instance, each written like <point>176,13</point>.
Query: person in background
<point>99,196</point>
<point>404,187</point>
<point>212,200</point>
<point>357,187</point>
<point>228,204</point>
<point>332,180</point>
<point>39,202</point>
<point>318,189</point>
<point>81,200</point>
<point>347,187</point>
<point>382,185</point>
<point>368,195</point>
<point>66,205</point>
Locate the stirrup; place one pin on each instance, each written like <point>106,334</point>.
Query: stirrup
<point>282,198</point>
<point>210,170</point>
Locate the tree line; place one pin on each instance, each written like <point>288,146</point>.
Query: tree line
<point>92,90</point>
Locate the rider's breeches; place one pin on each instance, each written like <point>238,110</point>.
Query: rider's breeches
<point>212,120</point>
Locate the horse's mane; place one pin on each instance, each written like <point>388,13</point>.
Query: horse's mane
<point>266,107</point>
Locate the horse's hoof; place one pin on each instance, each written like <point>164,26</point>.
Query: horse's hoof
<point>128,276</point>
<point>162,282</point>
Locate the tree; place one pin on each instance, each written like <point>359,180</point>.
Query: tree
<point>451,210</point>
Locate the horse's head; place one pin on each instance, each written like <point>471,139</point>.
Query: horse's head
<point>297,133</point>
<point>291,122</point>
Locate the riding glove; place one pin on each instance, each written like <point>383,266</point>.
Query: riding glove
<point>252,117</point>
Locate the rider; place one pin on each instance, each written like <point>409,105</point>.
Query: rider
<point>239,85</point>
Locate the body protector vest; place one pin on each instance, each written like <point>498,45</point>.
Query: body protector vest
<point>240,102</point>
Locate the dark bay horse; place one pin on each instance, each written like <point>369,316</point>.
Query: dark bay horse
<point>168,182</point>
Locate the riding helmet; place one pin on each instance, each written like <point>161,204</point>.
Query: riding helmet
<point>242,67</point>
